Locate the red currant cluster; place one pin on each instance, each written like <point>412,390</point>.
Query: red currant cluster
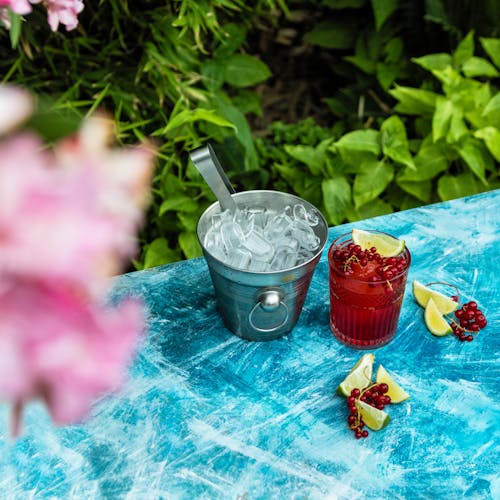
<point>470,320</point>
<point>374,395</point>
<point>385,267</point>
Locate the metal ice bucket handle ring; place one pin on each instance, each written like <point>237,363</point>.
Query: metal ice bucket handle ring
<point>270,300</point>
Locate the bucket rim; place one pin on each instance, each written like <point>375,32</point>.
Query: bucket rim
<point>316,255</point>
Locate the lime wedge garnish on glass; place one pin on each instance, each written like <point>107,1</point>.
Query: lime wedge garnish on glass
<point>396,392</point>
<point>387,246</point>
<point>359,377</point>
<point>423,293</point>
<point>435,321</point>
<point>374,418</point>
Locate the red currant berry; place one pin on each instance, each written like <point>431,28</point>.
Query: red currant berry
<point>355,392</point>
<point>364,433</point>
<point>383,388</point>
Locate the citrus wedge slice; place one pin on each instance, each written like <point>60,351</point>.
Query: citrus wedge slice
<point>423,293</point>
<point>387,246</point>
<point>374,418</point>
<point>396,392</point>
<point>435,321</point>
<point>359,377</point>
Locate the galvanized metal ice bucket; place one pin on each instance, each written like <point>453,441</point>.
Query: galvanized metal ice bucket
<point>261,305</point>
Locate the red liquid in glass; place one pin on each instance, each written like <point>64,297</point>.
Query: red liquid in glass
<point>364,314</point>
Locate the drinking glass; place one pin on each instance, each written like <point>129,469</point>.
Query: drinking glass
<point>365,305</point>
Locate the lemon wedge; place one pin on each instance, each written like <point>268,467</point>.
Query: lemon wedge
<point>423,293</point>
<point>374,418</point>
<point>435,321</point>
<point>387,246</point>
<point>396,392</point>
<point>359,377</point>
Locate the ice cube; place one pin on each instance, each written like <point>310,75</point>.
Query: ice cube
<point>258,246</point>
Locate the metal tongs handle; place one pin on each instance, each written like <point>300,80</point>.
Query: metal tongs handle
<point>209,167</point>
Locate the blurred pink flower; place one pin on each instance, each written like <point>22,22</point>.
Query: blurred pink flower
<point>17,6</point>
<point>58,11</point>
<point>16,106</point>
<point>57,346</point>
<point>64,12</point>
<point>68,221</point>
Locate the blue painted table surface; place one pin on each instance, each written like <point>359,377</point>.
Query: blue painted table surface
<point>205,414</point>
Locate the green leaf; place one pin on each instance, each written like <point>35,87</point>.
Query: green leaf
<point>372,181</point>
<point>395,142</point>
<point>313,158</point>
<point>382,10</point>
<point>371,209</point>
<point>458,128</point>
<point>421,190</point>
<point>441,118</point>
<point>190,246</point>
<point>212,71</point>
<point>492,108</point>
<point>491,137</point>
<point>188,220</point>
<point>363,63</point>
<point>464,50</point>
<point>367,140</point>
<point>243,70</point>
<point>234,36</point>
<point>194,115</point>
<point>492,47</point>
<point>332,34</point>
<point>180,203</point>
<point>243,132</point>
<point>433,61</point>
<point>451,186</point>
<point>393,49</point>
<point>477,66</point>
<point>158,253</point>
<point>450,78</point>
<point>414,101</point>
<point>429,162</point>
<point>336,198</point>
<point>472,151</point>
<point>15,28</point>
<point>387,73</point>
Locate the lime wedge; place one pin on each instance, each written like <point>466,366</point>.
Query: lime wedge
<point>423,293</point>
<point>375,419</point>
<point>435,321</point>
<point>360,376</point>
<point>387,246</point>
<point>396,392</point>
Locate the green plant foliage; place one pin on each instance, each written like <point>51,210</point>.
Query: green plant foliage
<point>440,143</point>
<point>410,125</point>
<point>177,71</point>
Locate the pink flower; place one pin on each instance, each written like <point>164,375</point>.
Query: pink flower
<point>58,11</point>
<point>16,105</point>
<point>68,221</point>
<point>64,12</point>
<point>56,346</point>
<point>17,6</point>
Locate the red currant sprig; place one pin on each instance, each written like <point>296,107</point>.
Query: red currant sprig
<point>470,319</point>
<point>374,395</point>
